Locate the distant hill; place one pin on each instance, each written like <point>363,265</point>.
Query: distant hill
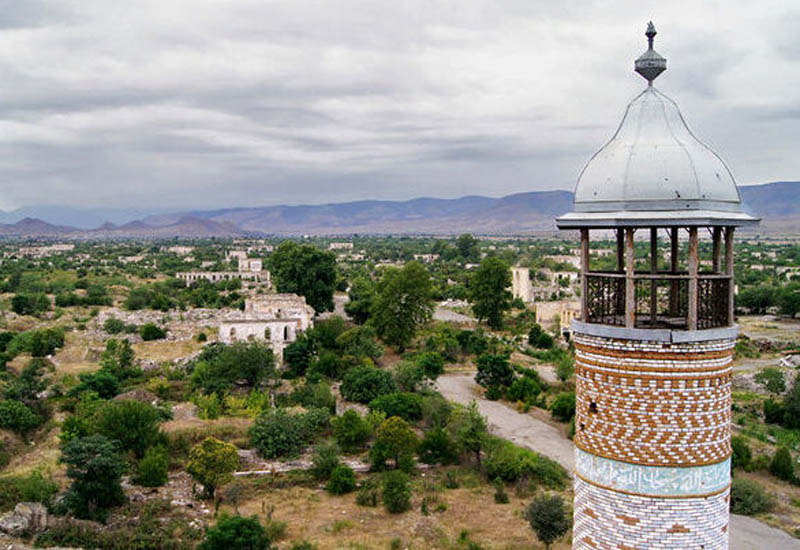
<point>778,204</point>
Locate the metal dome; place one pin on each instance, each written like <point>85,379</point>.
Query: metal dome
<point>654,171</point>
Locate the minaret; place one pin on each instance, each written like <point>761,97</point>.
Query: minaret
<point>654,344</point>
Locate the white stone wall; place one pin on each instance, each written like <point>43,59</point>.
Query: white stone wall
<point>521,284</point>
<point>608,520</point>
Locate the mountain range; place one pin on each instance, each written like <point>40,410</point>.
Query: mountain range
<point>777,203</point>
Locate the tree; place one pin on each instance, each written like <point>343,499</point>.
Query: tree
<point>95,467</point>
<point>741,452</point>
<point>16,416</point>
<point>548,517</point>
<point>361,294</point>
<point>343,480</point>
<point>350,430</point>
<point>488,291</point>
<point>402,304</point>
<point>297,355</point>
<point>30,304</point>
<point>133,424</point>
<point>438,447</point>
<point>251,363</point>
<point>538,338</point>
<point>771,379</point>
<point>153,468</point>
<point>396,439</point>
<point>396,494</point>
<point>363,384</point>
<point>470,430</point>
<point>276,433</point>
<point>151,331</point>
<point>431,363</point>
<point>563,407</point>
<point>494,371</point>
<point>782,465</point>
<point>791,406</point>
<point>212,463</point>
<point>236,532</point>
<point>360,342</point>
<point>118,359</point>
<point>468,248</point>
<point>305,270</point>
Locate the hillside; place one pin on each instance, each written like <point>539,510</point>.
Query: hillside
<point>778,204</point>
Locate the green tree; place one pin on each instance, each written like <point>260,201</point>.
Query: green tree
<point>343,480</point>
<point>563,406</point>
<point>30,304</point>
<point>396,494</point>
<point>17,416</point>
<point>153,468</point>
<point>468,248</point>
<point>494,371</point>
<point>469,429</point>
<point>95,467</point>
<point>305,270</point>
<point>133,424</point>
<point>402,304</point>
<point>118,359</point>
<point>151,331</point>
<point>431,363</point>
<point>488,291</point>
<point>771,379</point>
<point>350,430</point>
<point>363,384</point>
<point>782,465</point>
<point>741,452</point>
<point>212,463</point>
<point>438,447</point>
<point>222,366</point>
<point>361,294</point>
<point>791,406</point>
<point>236,533</point>
<point>396,439</point>
<point>548,517</point>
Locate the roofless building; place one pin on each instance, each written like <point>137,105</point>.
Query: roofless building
<point>654,343</point>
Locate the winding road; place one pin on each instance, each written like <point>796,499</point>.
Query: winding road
<point>527,431</point>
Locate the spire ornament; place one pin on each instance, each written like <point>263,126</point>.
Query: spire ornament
<point>650,64</point>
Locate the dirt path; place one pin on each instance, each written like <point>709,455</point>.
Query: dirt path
<point>537,435</point>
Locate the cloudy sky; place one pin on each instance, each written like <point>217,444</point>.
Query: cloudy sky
<point>210,103</point>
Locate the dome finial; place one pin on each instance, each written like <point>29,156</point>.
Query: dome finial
<point>650,64</point>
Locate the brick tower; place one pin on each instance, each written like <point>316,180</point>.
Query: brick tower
<point>654,342</point>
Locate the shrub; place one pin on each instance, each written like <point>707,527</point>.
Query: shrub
<point>773,412</point>
<point>396,494</point>
<point>103,383</point>
<point>741,452</point>
<point>525,389</point>
<point>236,532</point>
<point>563,407</point>
<point>317,395</point>
<point>438,447</point>
<point>276,433</point>
<point>324,462</point>
<point>538,338</point>
<point>132,423</point>
<point>151,331</point>
<point>771,379</point>
<point>211,463</point>
<point>35,487</point>
<point>350,430</point>
<point>367,494</point>
<point>343,480</point>
<point>17,416</point>
<point>436,410</point>
<point>409,376</point>
<point>403,404</point>
<point>511,463</point>
<point>500,495</point>
<point>363,384</point>
<point>431,363</point>
<point>153,469</point>
<point>748,498</point>
<point>494,370</point>
<point>782,465</point>
<point>202,337</point>
<point>395,439</point>
<point>494,393</point>
<point>114,326</point>
<point>95,467</point>
<point>548,517</point>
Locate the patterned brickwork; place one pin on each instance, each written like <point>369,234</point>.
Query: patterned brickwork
<point>654,404</point>
<point>608,520</point>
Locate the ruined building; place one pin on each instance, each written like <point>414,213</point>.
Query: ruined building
<point>654,347</point>
<point>275,318</point>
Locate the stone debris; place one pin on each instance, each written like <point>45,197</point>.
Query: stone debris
<point>26,518</point>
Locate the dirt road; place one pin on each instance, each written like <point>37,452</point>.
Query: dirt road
<point>530,432</point>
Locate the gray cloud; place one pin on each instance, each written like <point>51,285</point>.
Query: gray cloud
<point>197,104</point>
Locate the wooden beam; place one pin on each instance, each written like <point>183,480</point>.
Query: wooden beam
<point>691,318</point>
<point>584,274</point>
<point>630,282</point>
<point>716,256</point>
<point>674,287</point>
<point>729,272</point>
<point>653,270</point>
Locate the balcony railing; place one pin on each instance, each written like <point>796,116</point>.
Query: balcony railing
<point>661,299</point>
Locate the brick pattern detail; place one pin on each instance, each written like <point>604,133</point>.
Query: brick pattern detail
<point>654,404</point>
<point>663,524</point>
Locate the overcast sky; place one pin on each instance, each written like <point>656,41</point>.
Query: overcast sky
<point>211,103</point>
